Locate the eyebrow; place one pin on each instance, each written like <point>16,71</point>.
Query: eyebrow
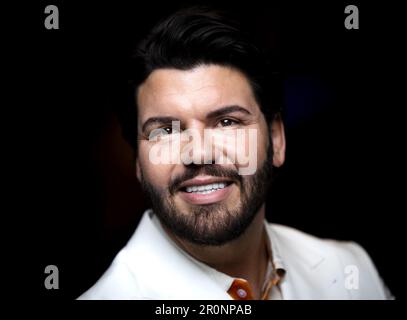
<point>225,110</point>
<point>213,114</point>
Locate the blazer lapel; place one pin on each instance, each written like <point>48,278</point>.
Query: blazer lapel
<point>311,273</point>
<point>165,271</point>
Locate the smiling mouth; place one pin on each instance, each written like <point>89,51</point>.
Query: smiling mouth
<point>205,191</point>
<point>206,188</point>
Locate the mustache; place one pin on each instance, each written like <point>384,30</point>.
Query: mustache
<point>210,170</point>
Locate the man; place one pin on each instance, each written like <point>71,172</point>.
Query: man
<point>206,237</point>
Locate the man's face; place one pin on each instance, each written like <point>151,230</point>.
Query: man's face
<point>205,202</point>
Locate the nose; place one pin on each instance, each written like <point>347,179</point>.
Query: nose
<point>197,148</point>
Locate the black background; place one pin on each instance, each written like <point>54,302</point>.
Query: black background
<point>78,198</point>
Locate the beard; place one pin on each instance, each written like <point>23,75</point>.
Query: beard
<point>213,224</point>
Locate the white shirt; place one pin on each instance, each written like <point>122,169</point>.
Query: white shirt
<point>152,266</point>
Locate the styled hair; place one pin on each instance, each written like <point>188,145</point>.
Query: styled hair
<point>200,36</point>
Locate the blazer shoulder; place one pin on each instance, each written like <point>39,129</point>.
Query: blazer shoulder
<point>305,242</point>
<point>348,257</point>
<point>293,239</point>
<point>117,283</point>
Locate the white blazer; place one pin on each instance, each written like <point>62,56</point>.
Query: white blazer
<point>152,266</point>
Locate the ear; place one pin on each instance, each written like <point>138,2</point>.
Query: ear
<point>278,140</point>
<point>138,170</point>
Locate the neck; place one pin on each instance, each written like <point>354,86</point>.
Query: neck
<point>244,257</point>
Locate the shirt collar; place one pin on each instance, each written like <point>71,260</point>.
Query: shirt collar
<point>240,288</point>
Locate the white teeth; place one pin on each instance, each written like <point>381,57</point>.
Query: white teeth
<point>205,189</point>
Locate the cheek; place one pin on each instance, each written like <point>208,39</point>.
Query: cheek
<point>156,174</point>
<point>251,147</point>
<point>262,144</point>
<point>263,140</point>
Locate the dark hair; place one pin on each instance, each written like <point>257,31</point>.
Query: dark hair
<point>198,36</point>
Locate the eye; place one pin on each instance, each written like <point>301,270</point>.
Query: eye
<point>227,122</point>
<point>161,132</point>
<point>167,130</point>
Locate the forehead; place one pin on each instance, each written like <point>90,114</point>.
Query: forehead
<point>193,92</point>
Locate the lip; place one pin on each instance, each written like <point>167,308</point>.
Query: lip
<point>202,180</point>
<point>202,199</point>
